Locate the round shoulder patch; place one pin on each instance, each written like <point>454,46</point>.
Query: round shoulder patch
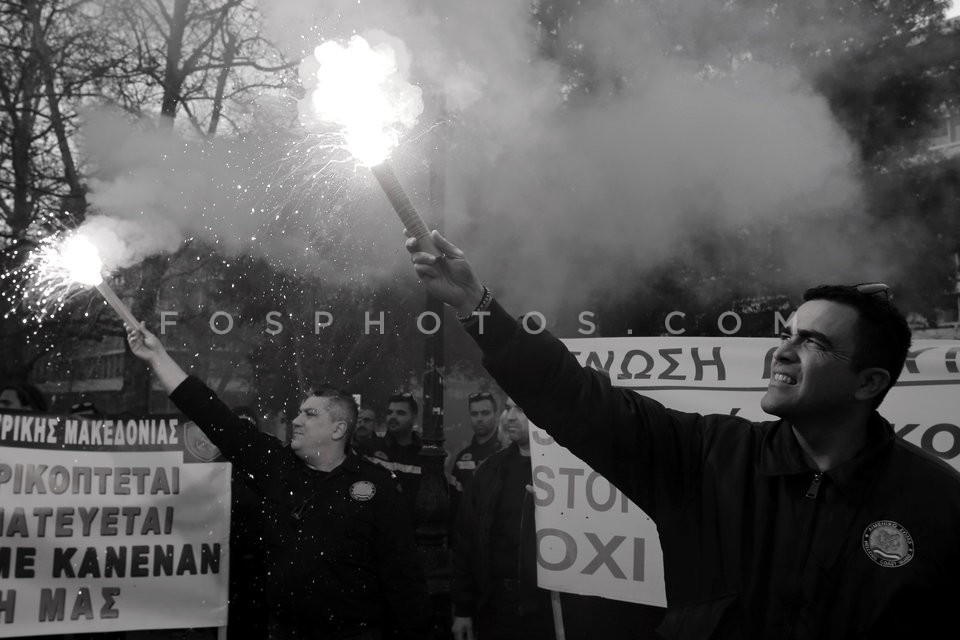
<point>467,456</point>
<point>198,444</point>
<point>362,490</point>
<point>888,544</point>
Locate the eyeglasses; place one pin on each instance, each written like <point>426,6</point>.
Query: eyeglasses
<point>479,395</point>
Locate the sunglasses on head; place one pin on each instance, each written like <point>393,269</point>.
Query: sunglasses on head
<point>878,289</point>
<point>480,395</point>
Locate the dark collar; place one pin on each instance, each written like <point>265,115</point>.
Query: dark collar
<point>415,441</point>
<point>490,445</point>
<point>780,454</point>
<point>350,464</point>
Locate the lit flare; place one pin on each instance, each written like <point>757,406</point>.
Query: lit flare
<point>361,90</point>
<point>77,260</point>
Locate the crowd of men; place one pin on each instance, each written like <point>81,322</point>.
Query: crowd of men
<point>819,524</point>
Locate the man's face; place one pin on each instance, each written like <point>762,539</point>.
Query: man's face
<point>314,428</point>
<point>811,372</point>
<point>366,423</point>
<point>399,418</point>
<point>516,424</point>
<point>483,418</point>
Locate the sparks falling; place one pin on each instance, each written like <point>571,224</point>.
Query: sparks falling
<point>61,267</point>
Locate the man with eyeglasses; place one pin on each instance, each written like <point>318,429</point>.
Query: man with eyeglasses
<point>367,429</point>
<point>341,556</point>
<point>821,524</point>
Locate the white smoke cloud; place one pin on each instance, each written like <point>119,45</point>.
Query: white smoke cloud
<point>554,192</point>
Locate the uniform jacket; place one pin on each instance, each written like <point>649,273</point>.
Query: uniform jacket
<point>755,543</point>
<point>403,461</point>
<point>472,583</point>
<point>341,555</point>
<point>464,466</point>
<point>466,462</point>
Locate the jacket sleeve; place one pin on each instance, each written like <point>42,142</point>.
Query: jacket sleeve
<point>401,574</point>
<point>651,453</point>
<point>259,457</point>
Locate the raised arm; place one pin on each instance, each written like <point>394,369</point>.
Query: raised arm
<point>148,348</point>
<point>646,450</point>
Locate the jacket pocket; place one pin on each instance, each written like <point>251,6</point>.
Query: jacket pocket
<point>710,620</point>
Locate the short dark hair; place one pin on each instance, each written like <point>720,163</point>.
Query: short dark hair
<point>480,396</point>
<point>407,397</point>
<point>28,395</point>
<point>883,335</point>
<point>340,404</point>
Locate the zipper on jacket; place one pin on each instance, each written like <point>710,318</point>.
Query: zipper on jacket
<point>814,487</point>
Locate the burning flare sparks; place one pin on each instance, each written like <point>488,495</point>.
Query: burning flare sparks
<point>362,91</point>
<point>80,260</point>
<point>62,266</point>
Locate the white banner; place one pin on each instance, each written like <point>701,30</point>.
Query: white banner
<point>109,525</point>
<point>593,541</point>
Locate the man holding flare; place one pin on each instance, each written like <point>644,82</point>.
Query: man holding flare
<point>341,556</point>
<point>821,524</point>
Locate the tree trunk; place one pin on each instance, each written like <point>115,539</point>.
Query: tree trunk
<point>229,53</point>
<point>76,202</point>
<point>173,75</point>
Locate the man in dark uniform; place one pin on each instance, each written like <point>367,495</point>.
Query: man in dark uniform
<point>483,418</point>
<point>399,450</point>
<point>341,552</point>
<point>822,524</point>
<point>494,569</point>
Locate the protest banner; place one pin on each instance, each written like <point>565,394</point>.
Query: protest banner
<point>110,525</point>
<point>593,541</point>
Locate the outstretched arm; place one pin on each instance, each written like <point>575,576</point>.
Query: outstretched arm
<point>148,348</point>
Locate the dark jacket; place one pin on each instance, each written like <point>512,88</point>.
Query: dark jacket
<point>469,458</point>
<point>472,581</point>
<point>755,543</point>
<point>402,460</point>
<point>340,551</point>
